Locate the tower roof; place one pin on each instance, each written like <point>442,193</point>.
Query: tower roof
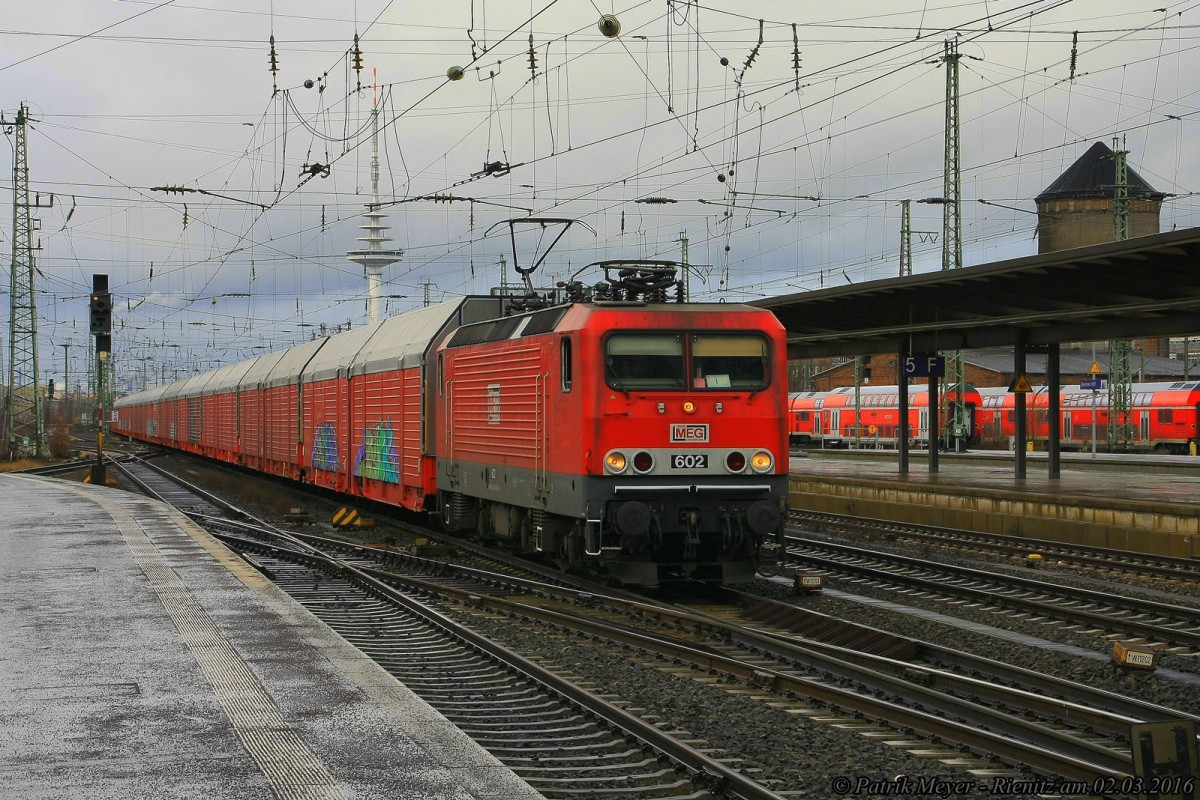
<point>1093,175</point>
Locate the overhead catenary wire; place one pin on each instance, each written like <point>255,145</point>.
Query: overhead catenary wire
<point>658,166</point>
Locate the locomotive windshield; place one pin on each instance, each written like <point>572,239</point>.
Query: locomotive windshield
<point>637,361</point>
<point>645,361</point>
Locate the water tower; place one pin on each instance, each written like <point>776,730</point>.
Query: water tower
<point>1076,210</point>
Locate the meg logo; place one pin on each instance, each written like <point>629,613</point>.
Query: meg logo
<point>689,432</point>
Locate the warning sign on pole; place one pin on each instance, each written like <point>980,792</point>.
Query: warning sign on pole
<point>1020,385</point>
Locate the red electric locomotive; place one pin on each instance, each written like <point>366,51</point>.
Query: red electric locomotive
<point>833,419</point>
<point>618,430</point>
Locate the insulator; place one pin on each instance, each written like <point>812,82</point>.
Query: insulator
<point>795,49</point>
<point>754,53</point>
<point>609,26</point>
<point>1074,52</point>
<point>273,58</point>
<point>356,56</point>
<point>532,55</point>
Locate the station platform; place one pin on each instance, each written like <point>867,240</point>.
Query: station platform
<point>141,658</point>
<point>1142,503</point>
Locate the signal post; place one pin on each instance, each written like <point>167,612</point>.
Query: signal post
<point>100,319</point>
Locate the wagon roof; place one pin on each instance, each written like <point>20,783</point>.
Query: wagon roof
<point>338,353</point>
<point>144,396</point>
<point>291,362</point>
<point>260,369</point>
<point>193,386</point>
<point>227,378</point>
<point>402,340</point>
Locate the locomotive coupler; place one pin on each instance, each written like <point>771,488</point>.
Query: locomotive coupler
<point>692,540</point>
<point>731,538</point>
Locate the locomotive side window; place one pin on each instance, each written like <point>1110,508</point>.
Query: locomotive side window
<point>729,362</point>
<point>644,361</point>
<point>565,363</point>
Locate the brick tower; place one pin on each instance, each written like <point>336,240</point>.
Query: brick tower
<point>1077,209</point>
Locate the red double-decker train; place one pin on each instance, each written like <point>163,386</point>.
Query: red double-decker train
<point>611,428</point>
<point>1161,417</point>
<point>840,418</point>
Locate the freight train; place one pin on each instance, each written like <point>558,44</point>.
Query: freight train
<point>612,428</point>
<point>1162,417</point>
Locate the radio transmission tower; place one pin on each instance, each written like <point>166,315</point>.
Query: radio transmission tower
<point>959,427</point>
<point>374,258</point>
<point>1120,366</point>
<point>26,435</point>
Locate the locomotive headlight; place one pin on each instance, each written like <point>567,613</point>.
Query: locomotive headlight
<point>615,463</point>
<point>735,461</point>
<point>762,461</point>
<point>643,462</point>
<point>689,407</point>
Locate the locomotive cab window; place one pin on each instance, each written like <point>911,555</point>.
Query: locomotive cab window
<point>647,361</point>
<point>644,361</point>
<point>729,362</point>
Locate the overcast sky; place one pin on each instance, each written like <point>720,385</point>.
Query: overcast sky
<point>781,179</point>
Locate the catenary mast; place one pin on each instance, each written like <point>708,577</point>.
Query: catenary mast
<point>952,255</point>
<point>23,418</point>
<point>1120,351</point>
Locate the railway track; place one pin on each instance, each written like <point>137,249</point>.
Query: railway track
<point>845,691</point>
<point>1163,624</point>
<point>560,737</point>
<point>913,693</point>
<point>1011,547</point>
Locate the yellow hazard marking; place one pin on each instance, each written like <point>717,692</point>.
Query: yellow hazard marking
<point>345,517</point>
<point>1095,370</point>
<point>1020,385</point>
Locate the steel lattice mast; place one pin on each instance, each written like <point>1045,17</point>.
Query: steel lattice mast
<point>958,427</point>
<point>24,414</point>
<point>1120,355</point>
<point>905,238</point>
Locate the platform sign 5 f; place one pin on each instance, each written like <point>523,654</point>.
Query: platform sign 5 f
<point>924,365</point>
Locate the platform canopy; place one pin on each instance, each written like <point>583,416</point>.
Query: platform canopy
<point>1138,288</point>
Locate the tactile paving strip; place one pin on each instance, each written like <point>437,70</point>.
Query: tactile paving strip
<point>293,770</point>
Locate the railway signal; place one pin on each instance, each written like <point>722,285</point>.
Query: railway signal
<point>100,319</point>
<point>100,313</point>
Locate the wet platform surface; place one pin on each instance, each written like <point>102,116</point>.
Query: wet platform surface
<point>1158,480</point>
<point>139,658</point>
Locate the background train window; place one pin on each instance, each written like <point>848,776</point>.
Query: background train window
<point>644,361</point>
<point>729,362</point>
